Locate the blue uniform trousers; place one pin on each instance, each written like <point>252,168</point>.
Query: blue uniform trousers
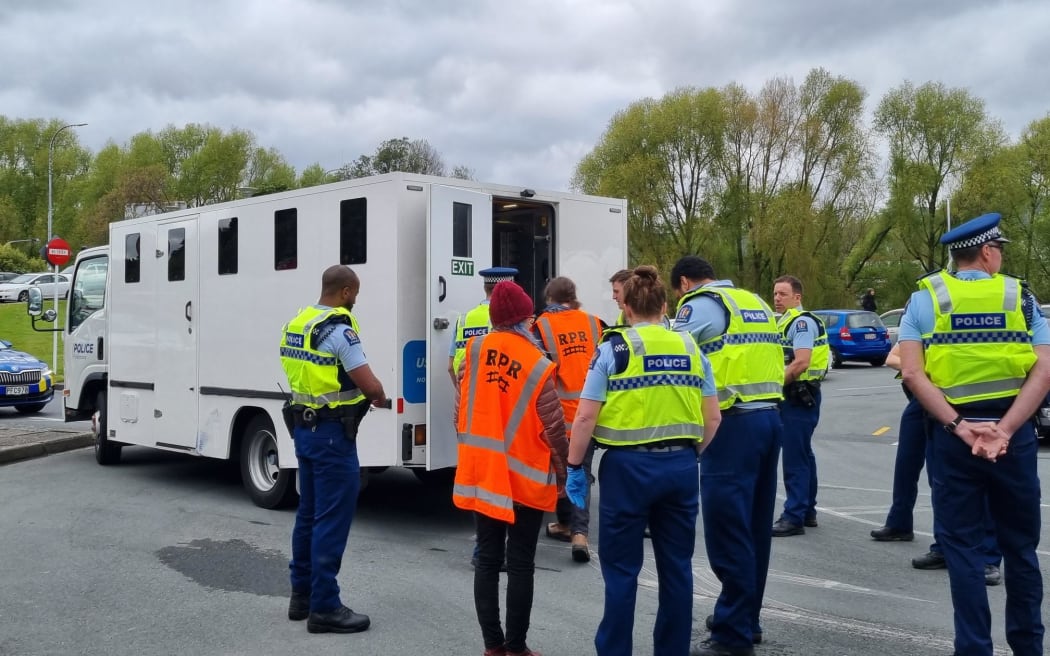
<point>738,486</point>
<point>911,457</point>
<point>329,480</point>
<point>659,489</point>
<point>800,463</point>
<point>966,489</point>
<point>989,547</point>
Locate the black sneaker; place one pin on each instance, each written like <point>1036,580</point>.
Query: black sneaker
<point>712,648</point>
<point>929,560</point>
<point>992,575</point>
<point>783,528</point>
<point>298,606</point>
<point>887,534</point>
<point>341,620</point>
<point>756,636</point>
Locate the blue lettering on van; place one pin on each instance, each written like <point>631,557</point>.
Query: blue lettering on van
<point>666,363</point>
<point>754,316</point>
<point>414,371</point>
<point>294,339</point>
<point>978,321</point>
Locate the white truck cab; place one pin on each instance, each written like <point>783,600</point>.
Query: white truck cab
<point>173,329</point>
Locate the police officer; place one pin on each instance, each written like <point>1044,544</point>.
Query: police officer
<point>331,384</point>
<point>569,336</point>
<point>975,351</point>
<point>738,472</point>
<point>476,321</point>
<point>806,355</point>
<point>617,280</point>
<point>649,399</point>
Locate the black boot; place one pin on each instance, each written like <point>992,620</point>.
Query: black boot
<point>341,620</point>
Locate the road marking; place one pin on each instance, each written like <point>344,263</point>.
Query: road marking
<point>881,431</point>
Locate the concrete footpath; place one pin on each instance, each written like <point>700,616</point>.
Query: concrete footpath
<point>24,443</point>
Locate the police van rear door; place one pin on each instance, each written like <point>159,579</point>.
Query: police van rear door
<point>459,234</point>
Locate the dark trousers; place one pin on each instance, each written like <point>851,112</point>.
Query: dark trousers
<point>517,542</point>
<point>568,514</point>
<point>738,486</point>
<point>911,457</point>
<point>966,489</point>
<point>800,463</point>
<point>659,489</point>
<point>329,480</point>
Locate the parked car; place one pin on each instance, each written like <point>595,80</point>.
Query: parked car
<point>25,381</point>
<point>8,275</point>
<point>855,336</point>
<point>18,288</point>
<point>892,319</point>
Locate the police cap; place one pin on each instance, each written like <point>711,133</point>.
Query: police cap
<point>974,232</point>
<point>498,274</point>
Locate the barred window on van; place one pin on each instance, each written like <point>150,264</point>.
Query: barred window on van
<point>132,262</point>
<point>285,240</point>
<point>353,231</point>
<point>227,246</point>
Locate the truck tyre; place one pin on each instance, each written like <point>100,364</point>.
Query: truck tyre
<point>268,485</point>
<point>106,452</point>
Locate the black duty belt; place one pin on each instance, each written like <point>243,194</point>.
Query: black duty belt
<point>662,445</point>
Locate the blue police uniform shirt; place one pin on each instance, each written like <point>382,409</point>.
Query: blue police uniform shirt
<point>343,342</point>
<point>452,346</point>
<point>919,317</point>
<point>802,332</point>
<point>604,365</point>
<point>704,317</point>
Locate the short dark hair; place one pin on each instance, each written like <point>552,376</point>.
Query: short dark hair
<point>693,268</point>
<point>621,276</point>
<point>968,254</point>
<point>796,284</point>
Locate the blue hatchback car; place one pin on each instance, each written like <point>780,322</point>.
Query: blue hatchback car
<point>855,336</point>
<point>25,381</point>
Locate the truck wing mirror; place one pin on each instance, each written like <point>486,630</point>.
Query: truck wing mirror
<point>35,303</point>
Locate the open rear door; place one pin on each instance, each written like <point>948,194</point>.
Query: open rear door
<point>459,234</point>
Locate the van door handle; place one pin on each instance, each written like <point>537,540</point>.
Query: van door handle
<point>189,316</point>
<point>441,294</point>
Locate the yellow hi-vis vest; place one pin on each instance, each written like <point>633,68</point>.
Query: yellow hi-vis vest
<point>472,324</point>
<point>658,396</point>
<point>747,360</point>
<point>818,359</point>
<point>317,378</point>
<point>980,347</point>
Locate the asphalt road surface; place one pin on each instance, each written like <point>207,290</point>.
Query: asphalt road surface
<point>165,554</point>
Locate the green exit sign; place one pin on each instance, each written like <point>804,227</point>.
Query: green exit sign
<point>462,267</point>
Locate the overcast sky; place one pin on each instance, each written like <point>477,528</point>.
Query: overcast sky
<point>518,90</point>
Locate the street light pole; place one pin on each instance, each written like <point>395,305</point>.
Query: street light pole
<point>50,236</point>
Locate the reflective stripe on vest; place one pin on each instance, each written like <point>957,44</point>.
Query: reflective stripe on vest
<point>748,359</point>
<point>820,354</point>
<point>980,346</point>
<point>658,395</point>
<point>570,337</point>
<point>316,378</point>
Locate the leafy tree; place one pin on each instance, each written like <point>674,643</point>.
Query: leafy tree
<point>416,156</point>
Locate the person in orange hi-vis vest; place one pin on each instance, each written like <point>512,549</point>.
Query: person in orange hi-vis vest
<point>512,450</point>
<point>570,336</point>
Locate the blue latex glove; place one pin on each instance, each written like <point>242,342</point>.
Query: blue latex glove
<point>576,487</point>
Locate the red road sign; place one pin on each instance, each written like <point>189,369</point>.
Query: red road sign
<point>58,251</point>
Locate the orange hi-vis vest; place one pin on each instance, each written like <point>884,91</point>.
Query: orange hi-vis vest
<point>503,458</point>
<point>571,337</point>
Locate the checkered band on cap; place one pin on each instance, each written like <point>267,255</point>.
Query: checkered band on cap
<point>988,235</point>
<point>498,278</point>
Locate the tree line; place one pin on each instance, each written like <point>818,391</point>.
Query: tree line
<point>792,178</point>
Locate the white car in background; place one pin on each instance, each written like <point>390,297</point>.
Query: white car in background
<point>18,288</point>
<point>892,319</point>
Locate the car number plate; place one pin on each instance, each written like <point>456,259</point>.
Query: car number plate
<point>870,336</point>
<point>16,390</point>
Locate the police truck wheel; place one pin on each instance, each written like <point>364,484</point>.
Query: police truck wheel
<point>106,452</point>
<point>268,485</point>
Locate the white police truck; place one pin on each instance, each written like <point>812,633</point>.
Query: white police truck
<point>172,331</point>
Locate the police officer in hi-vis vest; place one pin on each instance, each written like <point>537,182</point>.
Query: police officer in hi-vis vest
<point>736,330</point>
<point>476,321</point>
<point>649,400</point>
<point>975,351</point>
<point>569,336</point>
<point>806,355</point>
<point>511,467</point>
<point>331,385</point>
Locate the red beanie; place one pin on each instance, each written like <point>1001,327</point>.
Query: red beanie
<point>509,304</point>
